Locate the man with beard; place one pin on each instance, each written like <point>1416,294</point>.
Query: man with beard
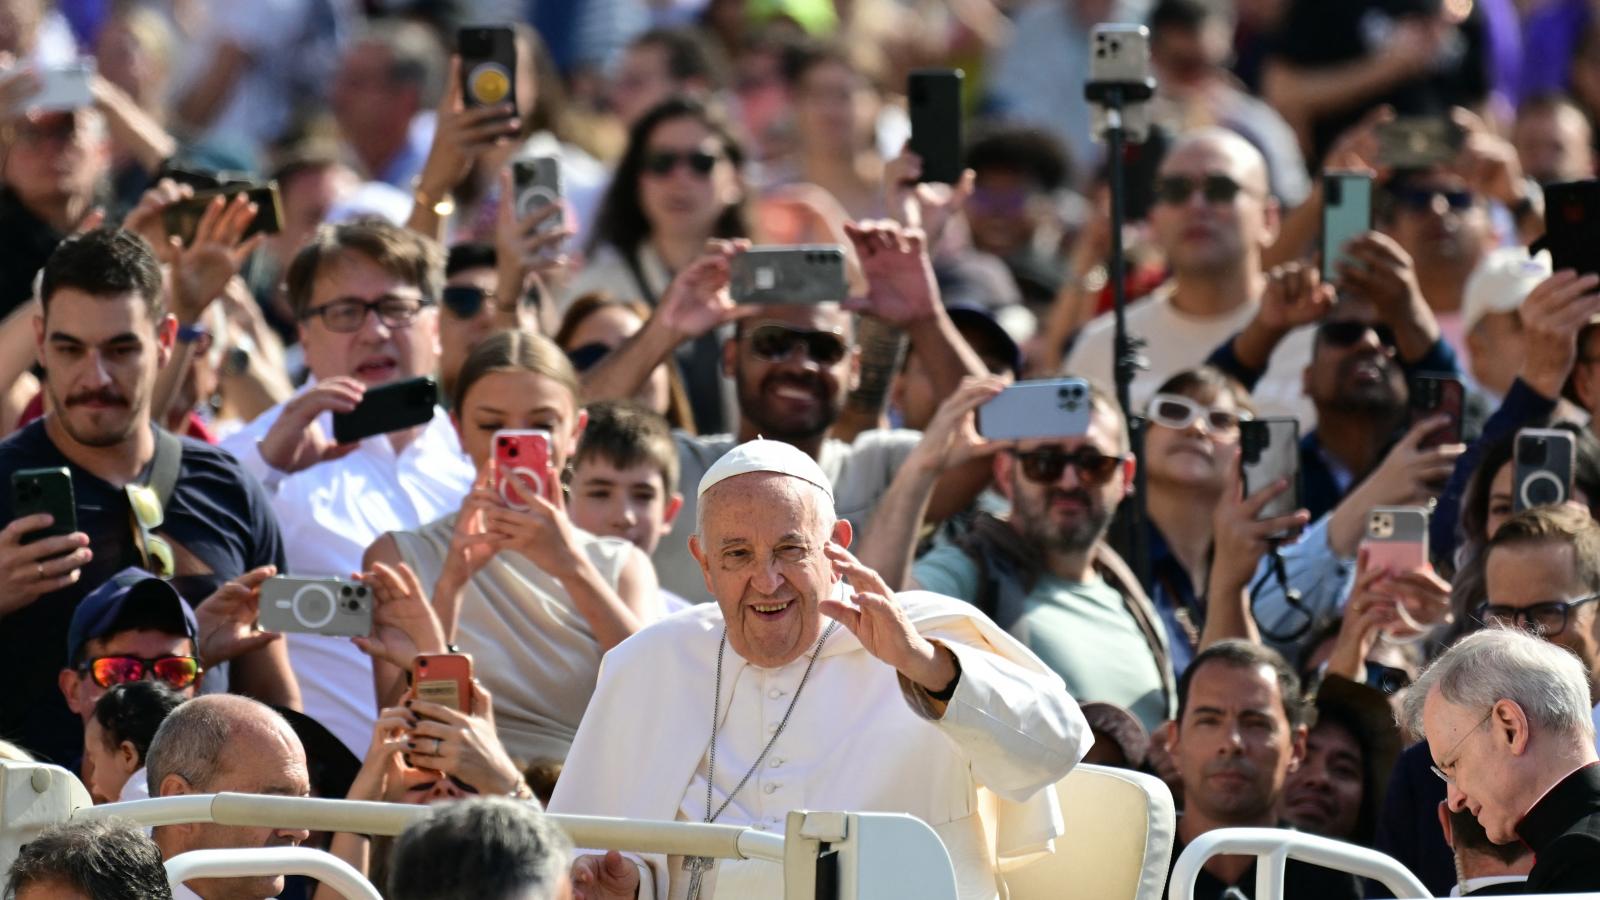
<point>178,507</point>
<point>1046,575</point>
<point>1240,731</point>
<point>793,366</point>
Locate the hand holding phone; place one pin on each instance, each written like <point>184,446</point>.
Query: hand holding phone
<point>1269,452</point>
<point>392,407</point>
<point>1438,395</point>
<point>1544,461</point>
<point>1346,215</point>
<point>48,490</point>
<point>1396,542</point>
<point>1047,408</point>
<point>798,274</point>
<point>934,97</point>
<point>445,679</point>
<point>328,606</point>
<point>488,66</point>
<point>522,457</point>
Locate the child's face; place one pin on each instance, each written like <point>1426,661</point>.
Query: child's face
<point>104,772</point>
<point>630,503</point>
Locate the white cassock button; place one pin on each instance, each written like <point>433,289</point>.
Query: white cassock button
<point>775,693</point>
<point>770,788</point>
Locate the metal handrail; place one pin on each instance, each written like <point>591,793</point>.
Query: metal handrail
<point>324,867</point>
<point>593,832</point>
<point>1272,847</point>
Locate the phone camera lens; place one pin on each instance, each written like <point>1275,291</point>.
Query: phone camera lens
<point>513,451</point>
<point>345,591</point>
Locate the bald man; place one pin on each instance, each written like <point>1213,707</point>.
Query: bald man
<point>224,742</point>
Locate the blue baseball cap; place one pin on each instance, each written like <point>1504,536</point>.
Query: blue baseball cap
<point>132,598</point>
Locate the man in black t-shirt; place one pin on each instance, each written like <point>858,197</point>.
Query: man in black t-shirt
<point>1333,61</point>
<point>102,339</point>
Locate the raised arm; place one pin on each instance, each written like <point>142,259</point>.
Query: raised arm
<point>460,136</point>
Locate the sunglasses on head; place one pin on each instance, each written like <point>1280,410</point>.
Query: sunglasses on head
<point>147,517</point>
<point>1044,466</point>
<point>176,672</point>
<point>1178,412</point>
<point>465,301</point>
<point>1348,332</point>
<point>1420,199</point>
<point>1177,189</point>
<point>664,162</point>
<point>774,343</point>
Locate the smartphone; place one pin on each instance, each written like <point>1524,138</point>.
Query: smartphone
<point>525,456</point>
<point>1120,55</point>
<point>44,491</point>
<point>934,97</point>
<point>1419,142</point>
<point>445,679</point>
<point>1047,408</point>
<point>1571,226</point>
<point>1434,395</point>
<point>794,274</point>
<point>395,406</point>
<point>1542,473</point>
<point>182,219</point>
<point>1397,538</point>
<point>1346,215</point>
<point>64,88</point>
<point>1269,451</point>
<point>488,66</point>
<point>331,606</point>
<point>537,181</point>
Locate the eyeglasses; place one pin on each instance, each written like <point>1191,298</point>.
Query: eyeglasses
<point>1349,332</point>
<point>1045,466</point>
<point>774,343</point>
<point>661,163</point>
<point>464,301</point>
<point>1178,412</point>
<point>1177,189</point>
<point>347,314</point>
<point>1542,619</point>
<point>1452,755</point>
<point>176,672</point>
<point>147,517</point>
<point>1419,199</point>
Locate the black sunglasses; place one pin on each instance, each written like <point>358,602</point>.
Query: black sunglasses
<point>583,358</point>
<point>1420,199</point>
<point>663,162</point>
<point>464,301</point>
<point>774,343</point>
<point>1177,189</point>
<point>1044,466</point>
<point>1348,332</point>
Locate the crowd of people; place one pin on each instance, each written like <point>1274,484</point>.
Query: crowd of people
<point>225,226</point>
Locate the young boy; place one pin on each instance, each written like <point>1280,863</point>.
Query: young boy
<point>623,473</point>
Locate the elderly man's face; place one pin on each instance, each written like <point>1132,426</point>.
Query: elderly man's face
<point>1235,746</point>
<point>255,762</point>
<point>760,547</point>
<point>1323,796</point>
<point>1461,742</point>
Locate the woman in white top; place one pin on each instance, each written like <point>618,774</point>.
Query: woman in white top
<point>534,600</point>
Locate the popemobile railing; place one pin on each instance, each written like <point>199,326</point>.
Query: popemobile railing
<point>849,856</point>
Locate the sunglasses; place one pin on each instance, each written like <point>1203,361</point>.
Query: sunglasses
<point>1421,199</point>
<point>662,163</point>
<point>1178,412</point>
<point>176,672</point>
<point>1348,332</point>
<point>1045,466</point>
<point>584,358</point>
<point>1177,189</point>
<point>147,517</point>
<point>774,343</point>
<point>463,300</point>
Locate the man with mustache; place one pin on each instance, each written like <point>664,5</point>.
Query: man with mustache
<point>793,366</point>
<point>102,337</point>
<point>1240,731</point>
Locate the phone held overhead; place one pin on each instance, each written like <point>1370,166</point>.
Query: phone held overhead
<point>1031,410</point>
<point>800,273</point>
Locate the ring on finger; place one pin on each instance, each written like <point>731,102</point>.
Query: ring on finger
<point>40,569</point>
<point>436,745</point>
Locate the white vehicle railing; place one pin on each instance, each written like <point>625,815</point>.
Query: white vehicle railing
<point>326,868</point>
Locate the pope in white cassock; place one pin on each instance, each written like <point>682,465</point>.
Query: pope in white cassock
<point>794,691</point>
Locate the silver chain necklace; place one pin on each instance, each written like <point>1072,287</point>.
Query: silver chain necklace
<point>698,865</point>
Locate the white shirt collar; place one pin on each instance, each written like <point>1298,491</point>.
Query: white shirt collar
<point>1484,881</point>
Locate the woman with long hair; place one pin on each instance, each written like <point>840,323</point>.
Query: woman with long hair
<point>595,325</point>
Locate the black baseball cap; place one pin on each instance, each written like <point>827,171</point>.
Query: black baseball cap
<point>132,598</point>
<point>993,339</point>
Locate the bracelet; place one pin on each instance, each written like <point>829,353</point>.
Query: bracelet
<point>442,207</point>
<point>521,791</point>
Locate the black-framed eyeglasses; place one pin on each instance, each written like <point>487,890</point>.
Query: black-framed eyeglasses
<point>347,314</point>
<point>1178,412</point>
<point>1349,332</point>
<point>1543,619</point>
<point>465,301</point>
<point>1177,189</point>
<point>176,672</point>
<point>1420,199</point>
<point>662,163</point>
<point>1045,465</point>
<point>774,343</point>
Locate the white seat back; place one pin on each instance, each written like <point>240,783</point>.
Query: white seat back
<point>34,796</point>
<point>1118,842</point>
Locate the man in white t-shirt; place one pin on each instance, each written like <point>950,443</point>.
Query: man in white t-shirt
<point>794,366</point>
<point>1212,218</point>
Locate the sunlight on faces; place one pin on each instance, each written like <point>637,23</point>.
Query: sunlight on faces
<point>1529,573</point>
<point>1070,514</point>
<point>683,201</point>
<point>631,503</point>
<point>107,766</point>
<point>1323,796</point>
<point>80,688</point>
<point>612,325</point>
<point>374,354</point>
<point>1471,751</point>
<point>1359,377</point>
<point>1196,456</point>
<point>55,156</point>
<point>1439,237</point>
<point>517,399</point>
<point>457,337</point>
<point>1234,747</point>
<point>1202,237</point>
<point>760,544</point>
<point>795,398</point>
<point>101,356</point>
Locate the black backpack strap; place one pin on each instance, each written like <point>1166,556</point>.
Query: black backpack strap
<point>164,467</point>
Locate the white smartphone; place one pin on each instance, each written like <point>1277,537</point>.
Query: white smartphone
<point>64,88</point>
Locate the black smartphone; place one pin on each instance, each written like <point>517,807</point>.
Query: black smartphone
<point>1433,395</point>
<point>1346,215</point>
<point>1571,226</point>
<point>1269,450</point>
<point>934,96</point>
<point>390,407</point>
<point>44,491</point>
<point>182,219</point>
<point>789,274</point>
<point>488,66</point>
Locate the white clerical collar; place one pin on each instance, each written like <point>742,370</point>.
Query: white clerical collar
<point>1483,881</point>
